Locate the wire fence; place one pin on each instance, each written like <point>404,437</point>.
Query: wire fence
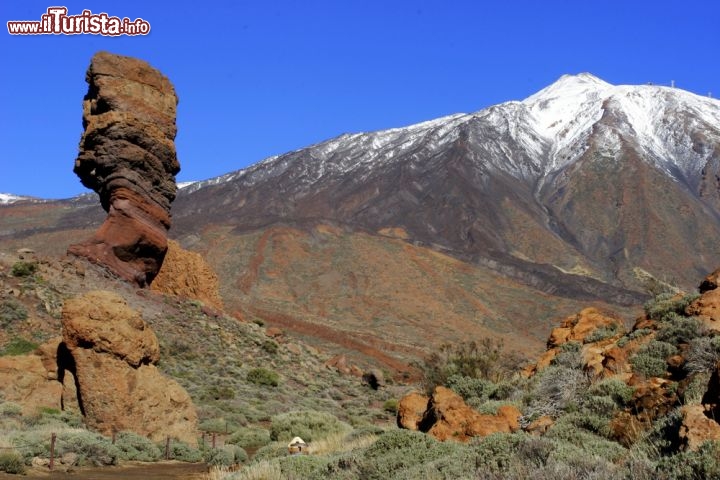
<point>53,439</point>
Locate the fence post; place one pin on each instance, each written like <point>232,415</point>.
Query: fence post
<point>213,440</point>
<point>202,439</point>
<point>167,448</point>
<point>52,451</point>
<point>113,437</point>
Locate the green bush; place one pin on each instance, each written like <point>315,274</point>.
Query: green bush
<point>132,446</point>
<point>485,360</point>
<point>398,450</point>
<point>217,425</point>
<point>215,392</point>
<point>620,392</point>
<point>19,346</point>
<point>250,437</point>
<point>391,405</point>
<point>651,359</point>
<point>270,347</point>
<point>183,452</point>
<point>648,365</point>
<point>271,450</point>
<point>703,463</point>
<point>498,451</point>
<point>677,329</point>
<point>307,424</point>
<point>10,409</point>
<point>573,437</point>
<point>659,307</point>
<point>12,462</point>
<point>23,269</point>
<point>471,387</point>
<point>602,333</point>
<point>92,448</point>
<point>225,456</point>
<point>263,376</point>
<point>304,466</point>
<point>11,312</point>
<point>640,332</point>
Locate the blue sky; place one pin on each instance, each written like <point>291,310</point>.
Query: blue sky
<point>262,78</point>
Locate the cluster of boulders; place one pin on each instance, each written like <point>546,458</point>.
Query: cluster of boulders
<point>445,416</point>
<point>605,350</point>
<point>103,367</point>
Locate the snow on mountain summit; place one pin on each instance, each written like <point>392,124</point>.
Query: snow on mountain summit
<point>528,139</point>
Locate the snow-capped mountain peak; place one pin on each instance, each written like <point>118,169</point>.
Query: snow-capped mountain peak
<point>556,108</point>
<point>8,198</point>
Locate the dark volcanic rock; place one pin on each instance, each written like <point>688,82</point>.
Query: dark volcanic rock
<point>127,155</point>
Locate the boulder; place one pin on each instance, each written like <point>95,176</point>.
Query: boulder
<point>696,427</point>
<point>374,378</point>
<point>448,417</point>
<point>186,274</point>
<point>707,309</point>
<point>540,426</point>
<point>411,410</point>
<point>579,326</point>
<point>127,156</point>
<point>111,352</point>
<point>710,282</point>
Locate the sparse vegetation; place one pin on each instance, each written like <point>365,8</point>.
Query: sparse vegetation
<point>23,269</point>
<point>19,346</point>
<point>11,311</point>
<point>307,424</point>
<point>263,376</point>
<point>132,446</point>
<point>484,360</point>
<point>12,462</point>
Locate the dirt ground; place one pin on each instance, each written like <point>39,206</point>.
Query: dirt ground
<point>130,471</point>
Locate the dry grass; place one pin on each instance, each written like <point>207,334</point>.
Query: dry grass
<point>265,470</point>
<point>338,443</point>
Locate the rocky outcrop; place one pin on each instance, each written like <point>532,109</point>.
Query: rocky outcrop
<point>127,155</point>
<point>186,274</point>
<point>707,307</point>
<point>597,332</point>
<point>448,417</point>
<point>696,428</point>
<point>112,355</point>
<point>411,409</point>
<point>27,381</point>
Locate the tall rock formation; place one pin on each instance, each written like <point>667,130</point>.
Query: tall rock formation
<point>112,352</point>
<point>127,155</point>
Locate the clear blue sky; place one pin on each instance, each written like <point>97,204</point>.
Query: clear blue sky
<point>262,78</point>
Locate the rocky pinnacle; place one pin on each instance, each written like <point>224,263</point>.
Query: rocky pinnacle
<point>127,156</point>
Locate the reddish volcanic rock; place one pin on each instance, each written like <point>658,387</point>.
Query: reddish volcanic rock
<point>707,309</point>
<point>579,326</point>
<point>187,274</point>
<point>127,155</point>
<point>710,282</point>
<point>112,352</point>
<point>696,427</point>
<point>411,409</point>
<point>448,417</point>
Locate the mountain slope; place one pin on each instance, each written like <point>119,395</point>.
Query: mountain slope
<point>571,177</point>
<point>490,223</point>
